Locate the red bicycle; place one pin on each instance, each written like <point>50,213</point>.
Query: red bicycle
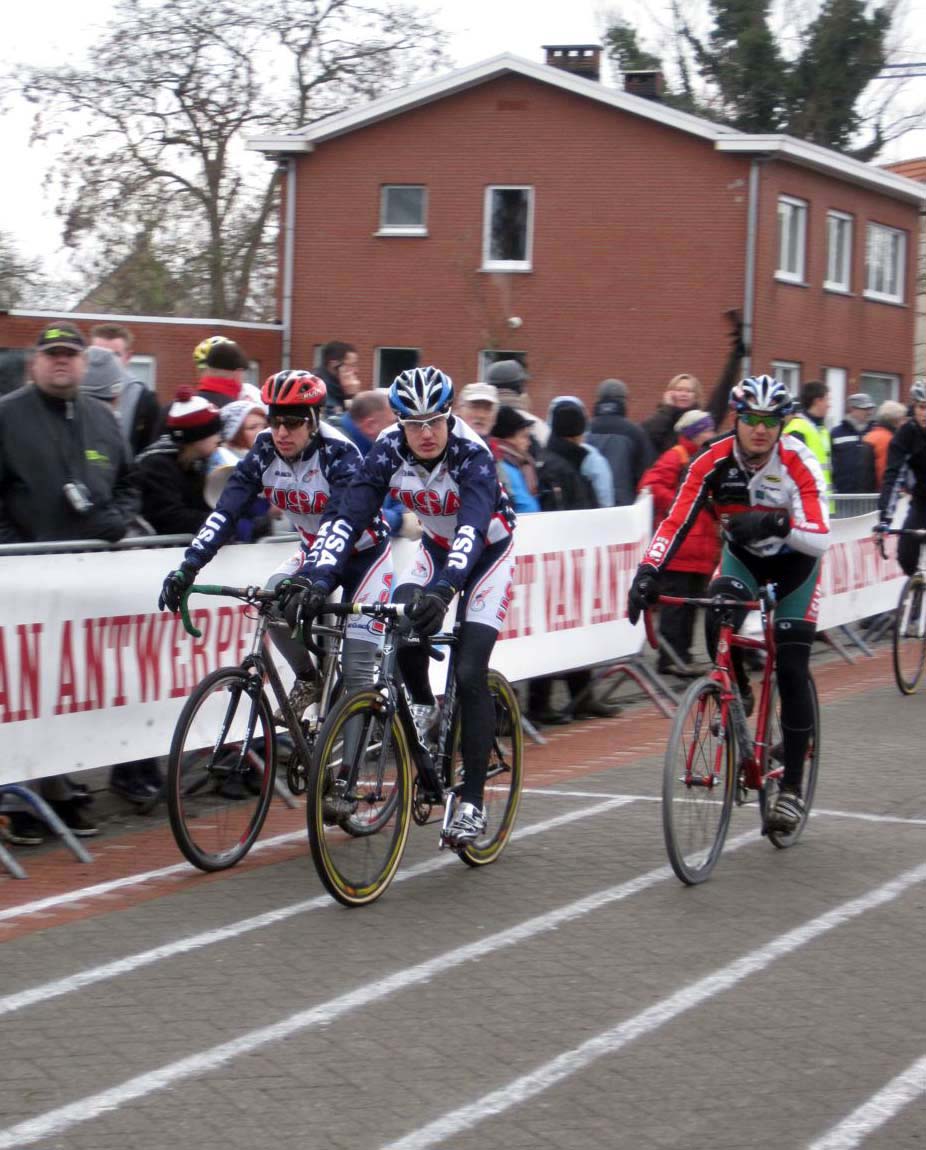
<point>713,760</point>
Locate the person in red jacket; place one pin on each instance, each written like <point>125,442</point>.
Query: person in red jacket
<point>693,564</point>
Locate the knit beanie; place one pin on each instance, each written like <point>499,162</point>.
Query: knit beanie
<point>192,417</point>
<point>105,376</point>
<point>234,414</point>
<point>693,422</point>
<point>567,419</point>
<point>225,355</point>
<point>509,422</point>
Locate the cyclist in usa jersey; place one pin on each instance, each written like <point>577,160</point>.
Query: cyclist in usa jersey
<point>437,467</point>
<point>770,494</point>
<point>302,465</point>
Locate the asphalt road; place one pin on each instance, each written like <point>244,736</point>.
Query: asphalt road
<point>574,995</point>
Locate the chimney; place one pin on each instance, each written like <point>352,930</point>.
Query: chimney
<point>579,59</point>
<point>647,83</point>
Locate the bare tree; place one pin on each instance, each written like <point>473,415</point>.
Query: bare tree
<point>152,131</point>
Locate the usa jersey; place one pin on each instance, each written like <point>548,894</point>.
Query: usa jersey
<point>459,502</point>
<point>791,479</point>
<point>304,488</point>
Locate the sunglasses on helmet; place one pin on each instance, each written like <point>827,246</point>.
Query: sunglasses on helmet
<point>757,419</point>
<point>420,424</point>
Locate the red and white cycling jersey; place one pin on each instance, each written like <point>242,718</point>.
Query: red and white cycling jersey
<point>718,478</point>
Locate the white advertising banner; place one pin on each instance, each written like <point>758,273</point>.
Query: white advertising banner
<point>91,673</point>
<point>856,581</point>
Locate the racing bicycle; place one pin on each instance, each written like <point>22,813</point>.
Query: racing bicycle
<point>910,619</point>
<point>221,771</point>
<point>373,772</point>
<point>713,760</point>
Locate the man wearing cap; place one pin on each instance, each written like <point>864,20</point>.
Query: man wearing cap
<point>511,446</point>
<point>222,381</point>
<point>477,407</point>
<point>509,378</point>
<point>64,473</point>
<point>853,458</point>
<point>172,471</point>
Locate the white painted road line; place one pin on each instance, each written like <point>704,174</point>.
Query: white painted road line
<point>611,1041</point>
<point>881,1108</point>
<point>67,985</point>
<point>55,1122</point>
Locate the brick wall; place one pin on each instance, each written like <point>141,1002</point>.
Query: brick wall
<point>171,343</point>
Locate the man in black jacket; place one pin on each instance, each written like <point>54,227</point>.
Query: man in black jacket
<point>64,471</point>
<point>624,444</point>
<point>64,474</point>
<point>853,459</point>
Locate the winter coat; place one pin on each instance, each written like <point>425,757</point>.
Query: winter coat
<point>660,426</point>
<point>172,496</point>
<point>517,474</point>
<point>853,460</point>
<point>47,443</point>
<point>700,551</point>
<point>879,439</point>
<point>563,487</point>
<point>609,419</point>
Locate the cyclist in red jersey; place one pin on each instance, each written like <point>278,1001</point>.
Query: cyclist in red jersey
<point>770,494</point>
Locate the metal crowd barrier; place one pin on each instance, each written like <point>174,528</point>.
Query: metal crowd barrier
<point>848,506</point>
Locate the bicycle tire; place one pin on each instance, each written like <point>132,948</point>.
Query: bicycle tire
<point>219,789</point>
<point>357,838</point>
<point>910,635</point>
<point>504,777</point>
<point>774,738</point>
<point>700,760</point>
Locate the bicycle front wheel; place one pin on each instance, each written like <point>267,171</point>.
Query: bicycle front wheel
<point>774,764</point>
<point>221,769</point>
<point>698,782</point>
<point>504,777</point>
<point>359,799</point>
<point>910,635</point>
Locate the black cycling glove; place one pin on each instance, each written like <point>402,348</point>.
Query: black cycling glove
<point>301,599</point>
<point>427,609</point>
<point>749,526</point>
<point>174,586</point>
<point>643,590</point>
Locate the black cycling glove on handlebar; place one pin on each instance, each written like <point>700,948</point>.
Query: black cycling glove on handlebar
<point>749,526</point>
<point>428,608</point>
<point>643,590</point>
<point>174,586</point>
<point>301,599</point>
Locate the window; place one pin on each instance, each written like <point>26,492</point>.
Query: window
<point>508,225</point>
<point>144,367</point>
<point>885,257</point>
<point>788,373</point>
<point>487,358</point>
<point>403,210</point>
<point>392,361</point>
<point>880,385</point>
<point>838,252</point>
<point>792,239</point>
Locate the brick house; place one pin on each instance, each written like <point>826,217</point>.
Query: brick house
<point>516,207</point>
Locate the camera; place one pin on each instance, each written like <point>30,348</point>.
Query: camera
<point>78,496</point>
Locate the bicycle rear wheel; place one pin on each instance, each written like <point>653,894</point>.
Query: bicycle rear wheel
<point>504,777</point>
<point>221,769</point>
<point>910,634</point>
<point>359,799</point>
<point>698,782</point>
<point>774,764</point>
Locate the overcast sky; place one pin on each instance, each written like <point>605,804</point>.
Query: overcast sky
<point>47,31</point>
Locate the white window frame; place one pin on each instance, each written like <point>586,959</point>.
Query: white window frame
<point>387,229</point>
<point>145,368</point>
<point>880,240</point>
<point>792,221</point>
<point>378,378</point>
<point>494,265</point>
<point>839,229</point>
<point>788,372</point>
<point>875,380</point>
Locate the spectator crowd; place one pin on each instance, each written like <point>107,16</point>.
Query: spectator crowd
<point>87,453</point>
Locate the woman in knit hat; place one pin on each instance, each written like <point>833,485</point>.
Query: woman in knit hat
<point>242,422</point>
<point>172,471</point>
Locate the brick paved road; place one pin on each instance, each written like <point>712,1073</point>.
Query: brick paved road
<point>575,995</point>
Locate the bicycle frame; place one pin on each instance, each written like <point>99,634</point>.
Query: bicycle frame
<point>752,750</point>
